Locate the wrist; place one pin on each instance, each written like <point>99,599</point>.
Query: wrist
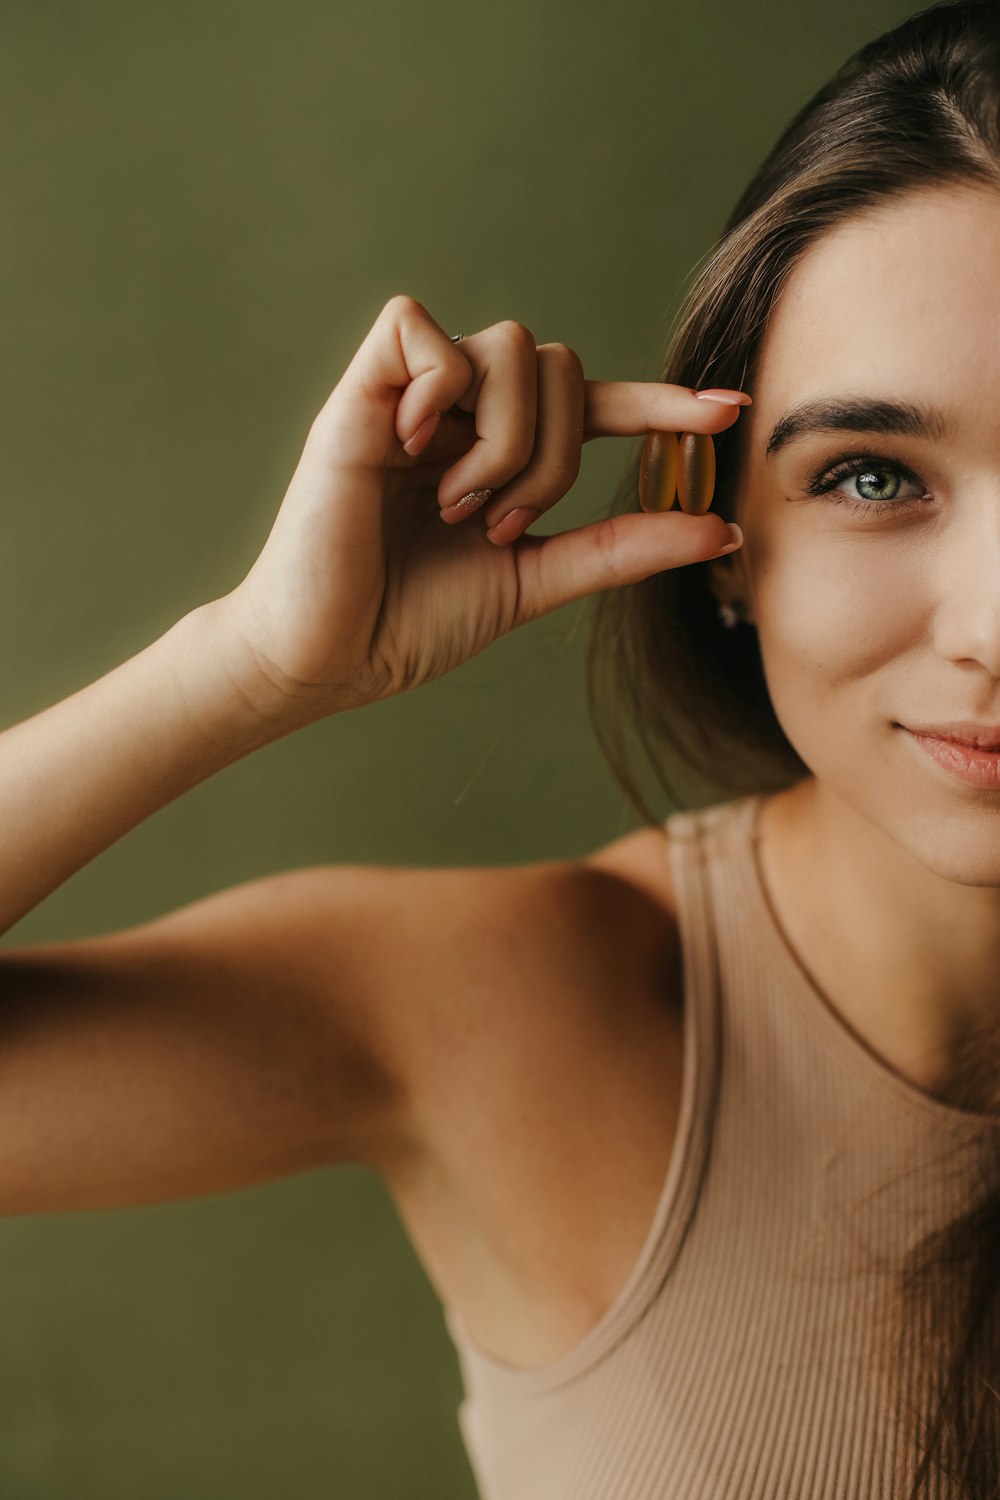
<point>224,690</point>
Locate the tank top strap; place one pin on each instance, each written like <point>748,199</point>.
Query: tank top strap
<point>709,851</point>
<point>688,1163</point>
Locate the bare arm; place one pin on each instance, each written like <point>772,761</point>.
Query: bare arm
<point>203,1051</point>
<point>224,1044</point>
<point>79,775</point>
<point>384,1016</point>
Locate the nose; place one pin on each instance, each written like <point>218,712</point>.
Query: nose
<point>967,625</point>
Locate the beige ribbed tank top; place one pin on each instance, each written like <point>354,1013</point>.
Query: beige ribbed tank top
<point>738,1360</point>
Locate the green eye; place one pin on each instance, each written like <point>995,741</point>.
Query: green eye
<point>884,482</point>
<point>878,480</point>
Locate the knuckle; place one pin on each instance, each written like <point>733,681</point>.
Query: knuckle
<point>402,305</point>
<point>516,333</point>
<point>563,355</point>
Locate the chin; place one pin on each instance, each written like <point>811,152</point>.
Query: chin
<point>948,828</point>
<point>956,837</point>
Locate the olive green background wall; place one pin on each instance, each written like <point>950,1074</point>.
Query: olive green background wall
<point>203,207</point>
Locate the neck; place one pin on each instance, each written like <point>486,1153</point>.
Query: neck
<point>909,958</point>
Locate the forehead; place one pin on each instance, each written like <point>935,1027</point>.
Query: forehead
<point>906,296</point>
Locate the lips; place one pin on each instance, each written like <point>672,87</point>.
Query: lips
<point>975,736</point>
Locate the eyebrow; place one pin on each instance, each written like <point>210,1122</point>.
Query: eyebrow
<point>856,414</point>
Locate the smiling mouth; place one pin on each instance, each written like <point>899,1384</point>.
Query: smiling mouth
<point>971,736</point>
<point>975,765</point>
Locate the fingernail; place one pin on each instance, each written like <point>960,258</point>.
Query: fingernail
<point>736,539</point>
<point>724,397</point>
<point>423,434</point>
<point>470,502</point>
<point>512,525</point>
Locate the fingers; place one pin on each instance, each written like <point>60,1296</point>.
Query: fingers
<point>404,351</point>
<point>554,570</point>
<point>504,396</point>
<point>626,408</point>
<point>527,409</point>
<point>555,463</point>
<point>528,457</point>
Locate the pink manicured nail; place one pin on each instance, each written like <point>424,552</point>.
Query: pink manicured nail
<point>423,434</point>
<point>735,539</point>
<point>512,525</point>
<point>726,398</point>
<point>468,503</point>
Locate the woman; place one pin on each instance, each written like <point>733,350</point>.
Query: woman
<point>697,1136</point>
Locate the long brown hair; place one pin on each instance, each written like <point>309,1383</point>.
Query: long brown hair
<point>917,107</point>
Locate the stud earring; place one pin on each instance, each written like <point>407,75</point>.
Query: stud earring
<point>732,614</point>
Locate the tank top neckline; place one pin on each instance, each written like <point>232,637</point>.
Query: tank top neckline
<point>812,1002</point>
<point>738,821</point>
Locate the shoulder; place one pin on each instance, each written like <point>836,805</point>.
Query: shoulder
<point>456,976</point>
<point>640,861</point>
<point>483,927</point>
<point>537,1027</point>
<point>553,936</point>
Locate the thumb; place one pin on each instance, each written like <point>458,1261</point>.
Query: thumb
<point>555,570</point>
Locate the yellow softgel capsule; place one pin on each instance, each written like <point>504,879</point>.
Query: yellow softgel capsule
<point>695,472</point>
<point>658,471</point>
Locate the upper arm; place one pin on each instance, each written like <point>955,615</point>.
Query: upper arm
<point>337,1013</point>
<point>215,1047</point>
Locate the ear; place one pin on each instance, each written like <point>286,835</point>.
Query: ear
<point>727,580</point>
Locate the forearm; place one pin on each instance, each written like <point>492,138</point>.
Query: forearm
<point>79,775</point>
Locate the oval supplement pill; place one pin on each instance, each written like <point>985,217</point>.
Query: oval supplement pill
<point>658,471</point>
<point>695,472</point>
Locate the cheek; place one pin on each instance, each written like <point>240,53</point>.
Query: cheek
<point>832,613</point>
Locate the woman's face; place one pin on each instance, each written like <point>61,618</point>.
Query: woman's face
<point>876,617</point>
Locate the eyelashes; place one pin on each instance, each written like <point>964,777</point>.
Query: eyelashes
<point>874,466</point>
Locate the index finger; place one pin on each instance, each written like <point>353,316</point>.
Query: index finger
<point>627,408</point>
